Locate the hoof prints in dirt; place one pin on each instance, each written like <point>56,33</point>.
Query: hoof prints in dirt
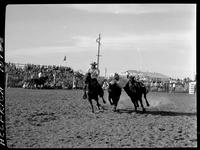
<point>37,119</point>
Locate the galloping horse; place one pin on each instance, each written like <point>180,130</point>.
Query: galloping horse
<point>135,90</point>
<point>114,92</point>
<point>93,91</point>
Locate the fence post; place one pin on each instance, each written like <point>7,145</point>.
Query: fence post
<point>6,80</point>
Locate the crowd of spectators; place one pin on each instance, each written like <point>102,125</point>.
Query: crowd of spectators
<point>59,76</point>
<point>66,77</point>
<point>161,84</point>
<point>168,85</point>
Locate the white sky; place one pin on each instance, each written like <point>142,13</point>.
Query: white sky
<point>148,37</point>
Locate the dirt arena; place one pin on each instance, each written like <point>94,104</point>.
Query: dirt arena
<point>62,119</point>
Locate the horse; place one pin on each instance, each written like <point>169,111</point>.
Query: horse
<point>28,84</point>
<point>135,90</point>
<point>114,92</point>
<point>37,82</point>
<point>93,91</point>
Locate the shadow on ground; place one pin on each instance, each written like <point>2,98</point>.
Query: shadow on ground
<point>162,113</point>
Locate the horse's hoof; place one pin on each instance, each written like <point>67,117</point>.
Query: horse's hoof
<point>104,102</point>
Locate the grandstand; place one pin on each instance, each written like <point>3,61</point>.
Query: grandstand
<point>147,75</point>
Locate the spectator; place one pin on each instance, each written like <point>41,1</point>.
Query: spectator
<point>173,87</point>
<point>40,74</point>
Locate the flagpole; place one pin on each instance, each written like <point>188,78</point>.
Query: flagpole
<point>65,60</point>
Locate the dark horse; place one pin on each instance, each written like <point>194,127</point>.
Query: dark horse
<point>135,90</point>
<point>38,82</point>
<point>93,91</point>
<point>114,92</point>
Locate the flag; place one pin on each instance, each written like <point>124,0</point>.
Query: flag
<point>64,58</point>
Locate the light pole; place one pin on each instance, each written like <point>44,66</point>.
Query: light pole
<point>98,55</point>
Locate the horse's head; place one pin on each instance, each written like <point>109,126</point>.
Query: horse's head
<point>87,77</point>
<point>131,79</point>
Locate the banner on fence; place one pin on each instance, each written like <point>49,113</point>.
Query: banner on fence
<point>192,87</point>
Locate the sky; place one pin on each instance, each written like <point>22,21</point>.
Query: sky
<point>148,37</point>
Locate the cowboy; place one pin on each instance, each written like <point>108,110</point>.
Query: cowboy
<point>115,80</point>
<point>137,78</point>
<point>94,71</point>
<point>131,78</point>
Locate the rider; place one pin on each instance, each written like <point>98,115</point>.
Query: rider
<point>115,80</point>
<point>137,78</point>
<point>94,71</point>
<point>131,78</point>
<point>139,81</point>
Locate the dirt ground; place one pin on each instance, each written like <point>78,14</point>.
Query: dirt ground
<point>62,119</point>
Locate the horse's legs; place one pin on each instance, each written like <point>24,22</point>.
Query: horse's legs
<point>84,91</point>
<point>115,104</point>
<point>146,99</point>
<point>98,105</point>
<point>103,99</point>
<point>32,85</point>
<point>140,99</point>
<point>115,108</point>
<point>134,103</point>
<point>101,94</point>
<point>109,99</point>
<point>90,100</point>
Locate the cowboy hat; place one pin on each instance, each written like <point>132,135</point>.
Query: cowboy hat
<point>93,63</point>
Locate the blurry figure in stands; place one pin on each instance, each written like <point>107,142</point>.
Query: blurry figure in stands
<point>32,75</point>
<point>74,82</point>
<point>54,79</point>
<point>173,87</point>
<point>40,74</point>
